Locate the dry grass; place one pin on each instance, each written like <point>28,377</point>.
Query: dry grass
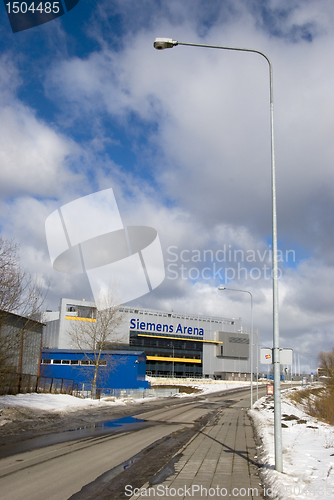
<point>317,401</point>
<point>182,388</point>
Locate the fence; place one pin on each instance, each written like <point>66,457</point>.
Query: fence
<point>131,393</point>
<point>57,385</point>
<point>170,374</point>
<point>14,383</point>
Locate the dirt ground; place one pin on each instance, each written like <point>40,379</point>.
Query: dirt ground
<point>19,423</point>
<point>155,462</point>
<point>151,465</point>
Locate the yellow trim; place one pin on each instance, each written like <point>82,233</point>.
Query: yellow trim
<point>81,319</point>
<point>178,338</point>
<point>176,360</point>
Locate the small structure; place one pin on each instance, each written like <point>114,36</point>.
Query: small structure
<point>20,353</point>
<point>117,369</point>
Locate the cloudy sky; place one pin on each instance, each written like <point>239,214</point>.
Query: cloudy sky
<point>183,138</point>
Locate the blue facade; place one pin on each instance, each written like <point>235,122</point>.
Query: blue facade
<point>118,370</point>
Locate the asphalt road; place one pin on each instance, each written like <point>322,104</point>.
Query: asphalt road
<point>59,471</point>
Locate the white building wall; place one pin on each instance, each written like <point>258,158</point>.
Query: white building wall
<point>51,334</point>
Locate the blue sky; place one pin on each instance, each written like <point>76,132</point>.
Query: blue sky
<point>182,136</point>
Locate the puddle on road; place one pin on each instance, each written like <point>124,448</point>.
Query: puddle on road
<point>90,430</point>
<point>108,424</point>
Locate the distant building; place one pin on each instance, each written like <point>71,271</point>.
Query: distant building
<point>175,344</point>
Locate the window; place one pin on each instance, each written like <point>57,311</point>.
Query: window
<point>81,311</point>
<point>71,309</point>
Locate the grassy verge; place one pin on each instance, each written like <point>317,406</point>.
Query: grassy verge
<point>317,401</point>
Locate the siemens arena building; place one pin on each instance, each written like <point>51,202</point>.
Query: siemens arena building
<point>176,344</point>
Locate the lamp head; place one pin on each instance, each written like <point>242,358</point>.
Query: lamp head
<point>164,43</point>
<point>221,287</point>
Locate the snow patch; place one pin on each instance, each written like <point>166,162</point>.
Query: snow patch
<point>308,452</point>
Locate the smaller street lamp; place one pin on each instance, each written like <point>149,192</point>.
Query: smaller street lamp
<point>221,287</point>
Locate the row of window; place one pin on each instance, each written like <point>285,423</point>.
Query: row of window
<point>172,336</point>
<point>151,363</point>
<point>171,373</point>
<point>81,362</point>
<point>176,344</point>
<point>90,312</point>
<point>180,316</point>
<point>167,354</point>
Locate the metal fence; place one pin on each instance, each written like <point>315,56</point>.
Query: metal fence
<point>14,383</point>
<point>57,385</point>
<point>130,393</point>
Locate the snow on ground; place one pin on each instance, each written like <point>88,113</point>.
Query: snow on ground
<point>50,402</point>
<point>64,403</point>
<point>206,386</point>
<point>308,452</point>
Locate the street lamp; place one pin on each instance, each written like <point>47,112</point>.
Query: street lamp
<point>251,336</point>
<point>167,43</point>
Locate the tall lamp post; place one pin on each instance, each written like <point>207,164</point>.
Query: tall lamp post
<point>251,336</point>
<point>168,43</point>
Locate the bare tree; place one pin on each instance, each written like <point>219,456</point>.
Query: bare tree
<point>91,337</point>
<point>326,363</point>
<point>19,294</point>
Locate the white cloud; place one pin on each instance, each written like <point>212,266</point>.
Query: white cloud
<point>205,118</point>
<point>212,114</point>
<point>33,156</point>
